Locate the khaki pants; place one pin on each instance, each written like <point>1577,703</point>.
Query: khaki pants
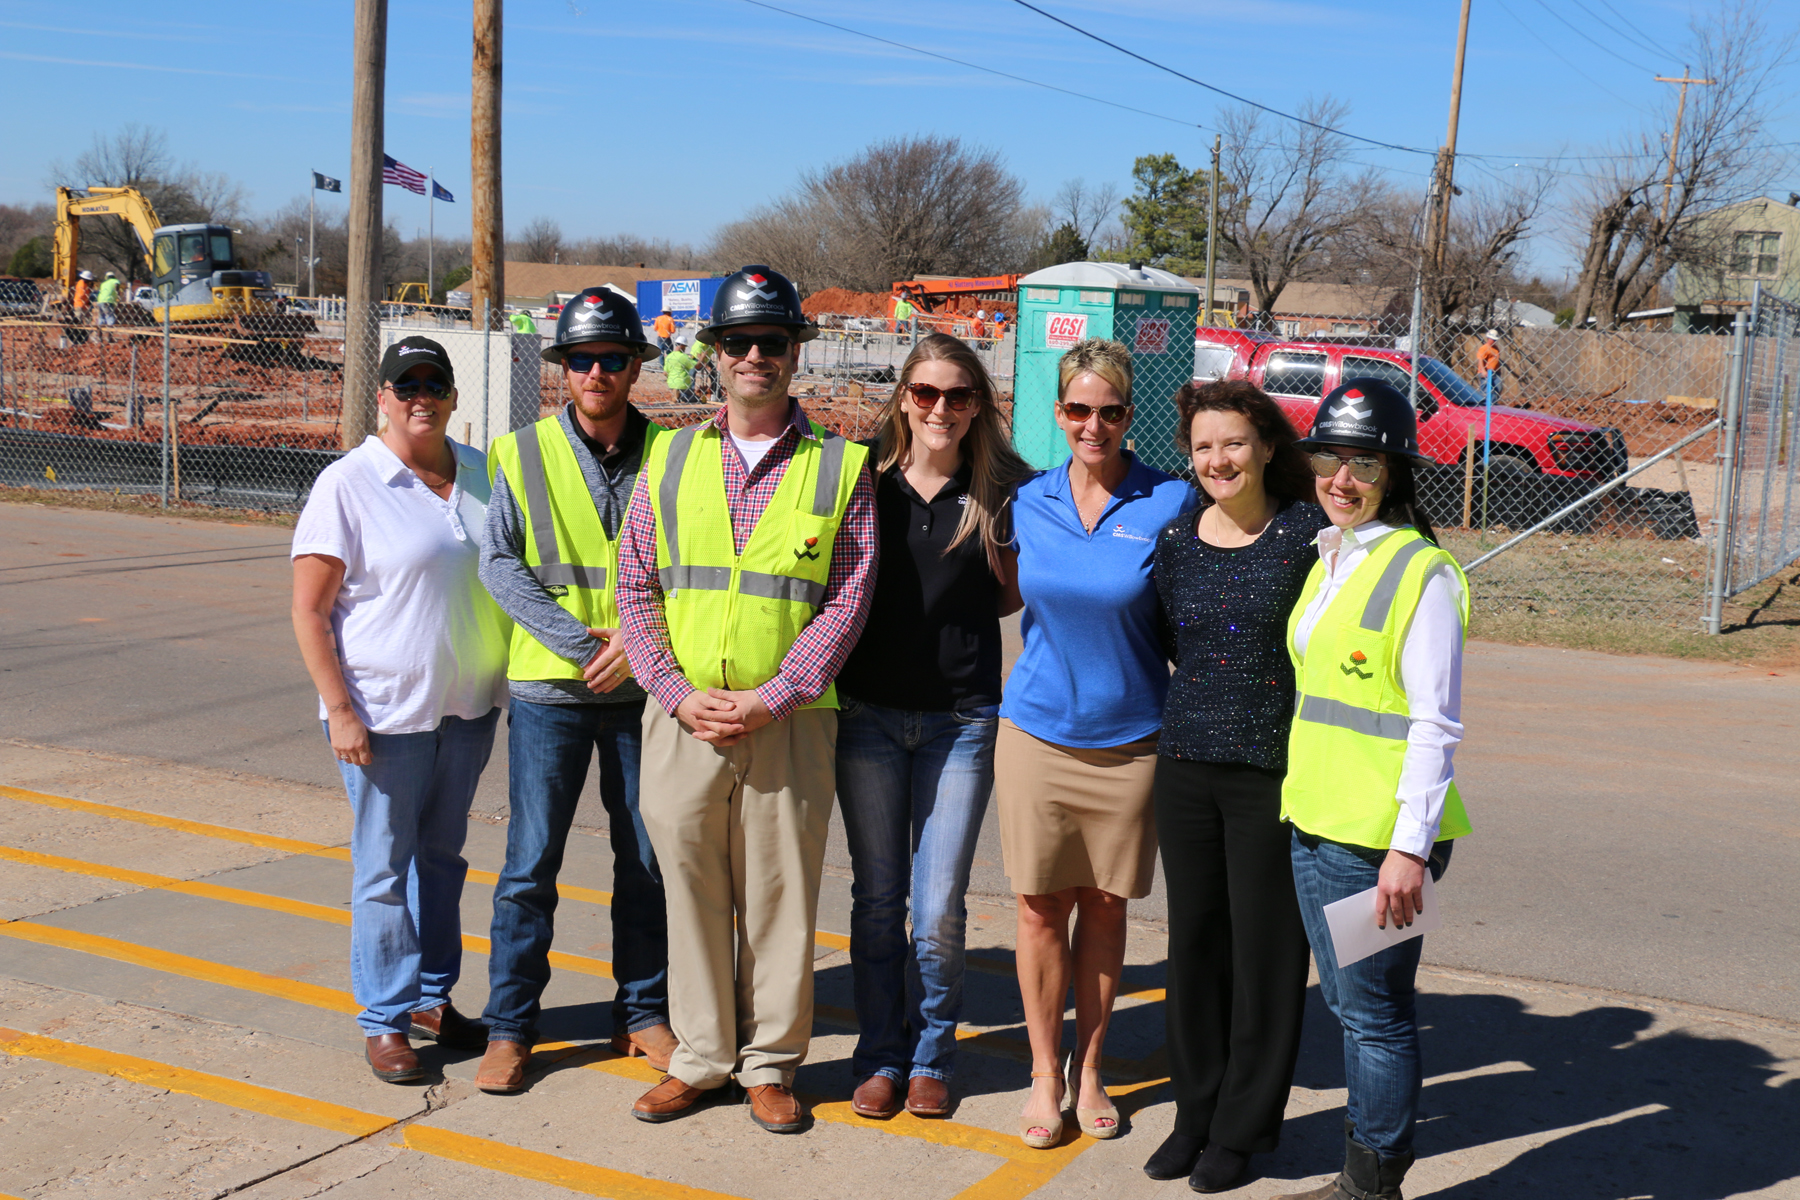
<point>740,830</point>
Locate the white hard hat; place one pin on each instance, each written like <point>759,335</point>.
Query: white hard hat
<point>87,274</point>
<point>1494,334</point>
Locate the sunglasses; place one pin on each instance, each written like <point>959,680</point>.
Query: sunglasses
<point>437,389</point>
<point>611,361</point>
<point>1112,414</point>
<point>1364,470</point>
<point>958,398</point>
<point>773,345</point>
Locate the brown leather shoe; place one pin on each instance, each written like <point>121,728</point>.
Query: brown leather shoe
<point>392,1059</point>
<point>877,1098</point>
<point>776,1108</point>
<point>654,1044</point>
<point>927,1096</point>
<point>667,1100</point>
<point>502,1069</point>
<point>447,1027</point>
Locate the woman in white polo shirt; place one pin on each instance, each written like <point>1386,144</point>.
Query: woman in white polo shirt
<point>408,653</point>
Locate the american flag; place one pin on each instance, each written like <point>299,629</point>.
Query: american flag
<point>393,171</point>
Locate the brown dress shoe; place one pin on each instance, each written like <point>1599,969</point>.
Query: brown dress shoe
<point>654,1044</point>
<point>927,1096</point>
<point>502,1069</point>
<point>877,1098</point>
<point>392,1059</point>
<point>667,1100</point>
<point>447,1027</point>
<point>776,1108</point>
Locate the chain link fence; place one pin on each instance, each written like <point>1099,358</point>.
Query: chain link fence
<point>1758,493</point>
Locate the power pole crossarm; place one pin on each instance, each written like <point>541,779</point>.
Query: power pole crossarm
<point>1675,141</point>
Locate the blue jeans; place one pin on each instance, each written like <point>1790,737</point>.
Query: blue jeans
<point>549,747</point>
<point>411,806</point>
<point>1372,999</point>
<point>913,787</point>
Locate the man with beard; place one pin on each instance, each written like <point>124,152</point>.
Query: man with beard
<point>549,558</point>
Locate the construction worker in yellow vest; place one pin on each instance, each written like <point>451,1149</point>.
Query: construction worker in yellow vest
<point>549,558</point>
<point>1376,639</point>
<point>745,574</point>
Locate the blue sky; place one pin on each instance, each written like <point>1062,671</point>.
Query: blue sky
<point>669,118</point>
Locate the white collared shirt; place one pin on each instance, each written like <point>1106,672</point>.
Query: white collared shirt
<point>1430,671</point>
<point>418,637</point>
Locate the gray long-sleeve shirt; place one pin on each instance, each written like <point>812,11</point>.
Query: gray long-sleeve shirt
<point>610,479</point>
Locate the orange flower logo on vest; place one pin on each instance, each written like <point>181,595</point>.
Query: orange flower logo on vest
<point>808,552</point>
<point>1355,665</point>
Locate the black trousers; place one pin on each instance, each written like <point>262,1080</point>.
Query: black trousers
<point>1237,951</point>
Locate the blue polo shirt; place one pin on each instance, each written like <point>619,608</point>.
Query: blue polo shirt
<point>1093,672</point>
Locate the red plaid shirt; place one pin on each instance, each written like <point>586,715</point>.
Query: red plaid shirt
<point>814,659</point>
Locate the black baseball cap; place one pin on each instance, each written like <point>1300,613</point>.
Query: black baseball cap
<point>410,352</point>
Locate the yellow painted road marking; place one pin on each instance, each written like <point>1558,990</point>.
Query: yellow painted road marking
<point>217,1088</point>
<point>181,964</point>
<point>266,841</point>
<point>441,1143</point>
<point>936,1131</point>
<point>548,1168</point>
<point>298,908</point>
<point>1027,1173</point>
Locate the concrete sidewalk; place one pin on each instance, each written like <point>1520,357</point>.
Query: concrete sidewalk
<point>186,1031</point>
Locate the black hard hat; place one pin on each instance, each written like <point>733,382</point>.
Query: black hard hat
<point>599,314</point>
<point>758,295</point>
<point>1367,414</point>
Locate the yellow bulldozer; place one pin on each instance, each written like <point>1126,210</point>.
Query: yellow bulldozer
<point>193,267</point>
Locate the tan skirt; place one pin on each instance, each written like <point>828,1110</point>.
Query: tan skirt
<point>1075,817</point>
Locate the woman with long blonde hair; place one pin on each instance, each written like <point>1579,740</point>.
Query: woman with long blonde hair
<point>919,705</point>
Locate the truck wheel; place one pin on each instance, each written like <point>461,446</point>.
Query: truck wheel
<point>1514,492</point>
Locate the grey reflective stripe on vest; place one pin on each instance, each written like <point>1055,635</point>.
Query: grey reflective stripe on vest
<point>831,469</point>
<point>570,575</point>
<point>668,493</point>
<point>1381,600</point>
<point>706,579</point>
<point>1366,721</point>
<point>536,486</point>
<point>781,587</point>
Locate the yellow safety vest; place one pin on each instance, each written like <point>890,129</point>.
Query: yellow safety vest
<point>1348,740</point>
<point>566,547</point>
<point>733,617</point>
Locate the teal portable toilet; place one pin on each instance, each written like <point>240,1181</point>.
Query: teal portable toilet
<point>1150,311</point>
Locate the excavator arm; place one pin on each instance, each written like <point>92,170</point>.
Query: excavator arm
<point>128,203</point>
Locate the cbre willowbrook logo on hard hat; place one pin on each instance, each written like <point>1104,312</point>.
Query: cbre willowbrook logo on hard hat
<point>760,292</point>
<point>1346,408</point>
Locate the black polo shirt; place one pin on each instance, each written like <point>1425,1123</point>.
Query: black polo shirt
<point>932,643</point>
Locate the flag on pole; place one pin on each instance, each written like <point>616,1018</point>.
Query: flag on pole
<point>325,183</point>
<point>440,192</point>
<point>393,171</point>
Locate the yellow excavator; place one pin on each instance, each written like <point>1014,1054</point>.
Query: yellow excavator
<point>194,267</point>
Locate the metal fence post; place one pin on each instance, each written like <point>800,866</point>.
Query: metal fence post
<point>167,433</point>
<point>487,336</point>
<point>1725,516</point>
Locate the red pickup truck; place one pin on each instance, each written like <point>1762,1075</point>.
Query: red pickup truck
<point>1527,446</point>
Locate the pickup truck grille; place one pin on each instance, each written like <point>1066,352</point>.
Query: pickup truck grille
<point>1598,452</point>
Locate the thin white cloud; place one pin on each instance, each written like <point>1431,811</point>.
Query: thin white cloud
<point>130,66</point>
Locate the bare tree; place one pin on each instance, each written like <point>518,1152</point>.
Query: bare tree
<point>1636,222</point>
<point>138,156</point>
<point>903,207</point>
<point>539,242</point>
<point>1086,208</point>
<point>1286,194</point>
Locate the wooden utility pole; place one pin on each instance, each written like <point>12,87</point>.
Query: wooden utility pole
<point>1440,232</point>
<point>1212,225</point>
<point>362,291</point>
<point>487,281</point>
<point>1675,141</point>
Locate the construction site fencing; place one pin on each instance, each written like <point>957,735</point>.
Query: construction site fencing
<point>1758,491</point>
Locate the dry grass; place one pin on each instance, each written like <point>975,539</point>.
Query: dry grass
<point>146,506</point>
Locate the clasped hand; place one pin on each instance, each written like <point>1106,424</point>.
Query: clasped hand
<point>722,717</point>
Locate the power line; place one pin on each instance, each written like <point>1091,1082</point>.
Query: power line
<point>1221,91</point>
<point>1552,49</point>
<point>1591,39</point>
<point>1625,31</point>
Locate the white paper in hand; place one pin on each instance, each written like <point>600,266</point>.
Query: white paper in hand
<point>1354,934</point>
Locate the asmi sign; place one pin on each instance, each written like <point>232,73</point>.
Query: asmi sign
<point>1062,330</point>
<point>681,295</point>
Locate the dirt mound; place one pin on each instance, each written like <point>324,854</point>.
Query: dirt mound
<point>843,302</point>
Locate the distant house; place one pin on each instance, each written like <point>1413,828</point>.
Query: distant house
<point>537,285</point>
<point>1307,309</point>
<point>1760,244</point>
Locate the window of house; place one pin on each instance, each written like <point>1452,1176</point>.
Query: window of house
<point>1756,254</point>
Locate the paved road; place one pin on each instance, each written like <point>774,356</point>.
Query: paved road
<point>174,967</point>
